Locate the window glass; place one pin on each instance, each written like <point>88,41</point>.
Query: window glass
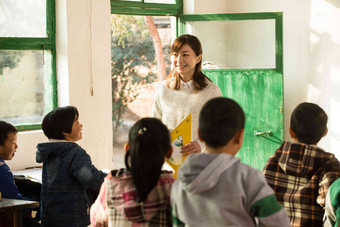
<point>237,44</point>
<point>25,85</point>
<point>23,18</point>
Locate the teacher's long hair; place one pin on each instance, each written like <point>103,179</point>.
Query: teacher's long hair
<point>149,144</point>
<point>199,81</point>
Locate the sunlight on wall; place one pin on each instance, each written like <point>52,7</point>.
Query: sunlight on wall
<point>320,16</point>
<point>333,127</point>
<point>334,122</point>
<point>335,74</point>
<point>324,39</point>
<point>314,39</point>
<point>313,93</point>
<point>324,19</point>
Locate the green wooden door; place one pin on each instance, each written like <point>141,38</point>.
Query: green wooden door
<point>242,54</point>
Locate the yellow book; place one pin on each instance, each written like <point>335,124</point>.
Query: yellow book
<point>180,136</point>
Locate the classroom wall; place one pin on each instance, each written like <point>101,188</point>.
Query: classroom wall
<point>84,79</point>
<point>311,42</point>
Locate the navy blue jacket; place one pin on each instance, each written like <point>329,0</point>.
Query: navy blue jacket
<point>8,188</point>
<point>67,174</point>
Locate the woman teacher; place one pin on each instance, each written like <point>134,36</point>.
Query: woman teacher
<point>186,91</point>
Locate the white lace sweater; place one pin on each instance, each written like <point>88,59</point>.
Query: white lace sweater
<point>173,106</point>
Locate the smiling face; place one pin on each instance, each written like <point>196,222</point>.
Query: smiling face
<point>184,61</point>
<point>76,133</point>
<point>9,148</point>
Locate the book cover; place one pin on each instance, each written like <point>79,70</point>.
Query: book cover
<point>180,136</point>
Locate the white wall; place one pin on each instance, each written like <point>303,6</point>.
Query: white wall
<point>311,52</point>
<point>81,58</point>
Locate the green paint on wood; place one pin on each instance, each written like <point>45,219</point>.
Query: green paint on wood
<point>260,93</point>
<point>146,8</point>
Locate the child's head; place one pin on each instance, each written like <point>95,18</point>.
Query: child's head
<point>62,123</point>
<point>149,144</point>
<point>8,140</point>
<point>308,123</point>
<point>219,121</point>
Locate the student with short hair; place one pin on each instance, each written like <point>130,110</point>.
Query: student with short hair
<point>8,188</point>
<point>300,172</point>
<point>214,188</point>
<point>67,171</point>
<point>8,147</point>
<point>139,194</point>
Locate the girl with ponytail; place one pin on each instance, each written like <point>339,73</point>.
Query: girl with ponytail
<point>139,194</point>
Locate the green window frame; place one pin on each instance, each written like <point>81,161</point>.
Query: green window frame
<point>139,7</point>
<point>37,43</point>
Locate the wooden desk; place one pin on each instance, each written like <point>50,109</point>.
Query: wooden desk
<point>11,211</point>
<point>28,182</point>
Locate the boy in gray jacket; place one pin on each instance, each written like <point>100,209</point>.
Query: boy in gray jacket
<point>214,188</point>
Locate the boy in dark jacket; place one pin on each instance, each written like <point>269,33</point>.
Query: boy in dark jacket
<point>67,171</point>
<point>8,188</point>
<point>300,172</point>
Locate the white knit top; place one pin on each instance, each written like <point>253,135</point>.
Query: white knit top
<point>173,106</point>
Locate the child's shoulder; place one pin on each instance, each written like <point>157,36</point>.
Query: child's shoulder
<point>3,165</point>
<point>2,162</point>
<point>249,172</point>
<point>117,173</point>
<point>166,177</point>
<point>335,184</point>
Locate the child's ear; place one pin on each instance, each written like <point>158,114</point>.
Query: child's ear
<point>168,155</point>
<point>326,131</point>
<point>66,135</point>
<point>199,136</point>
<point>126,147</point>
<point>292,133</point>
<point>239,137</point>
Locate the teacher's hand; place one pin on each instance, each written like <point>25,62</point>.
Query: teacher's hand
<point>192,147</point>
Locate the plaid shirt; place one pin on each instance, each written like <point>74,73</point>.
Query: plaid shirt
<point>300,175</point>
<point>116,203</point>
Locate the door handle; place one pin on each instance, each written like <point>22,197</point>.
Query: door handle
<point>256,133</point>
<point>268,135</point>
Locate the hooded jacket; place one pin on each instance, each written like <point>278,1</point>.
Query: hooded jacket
<point>116,204</point>
<point>301,175</point>
<point>67,174</point>
<point>218,190</point>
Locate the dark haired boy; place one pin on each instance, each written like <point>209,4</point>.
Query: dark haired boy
<point>214,188</point>
<point>300,172</point>
<point>8,188</point>
<point>8,147</point>
<point>67,171</point>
